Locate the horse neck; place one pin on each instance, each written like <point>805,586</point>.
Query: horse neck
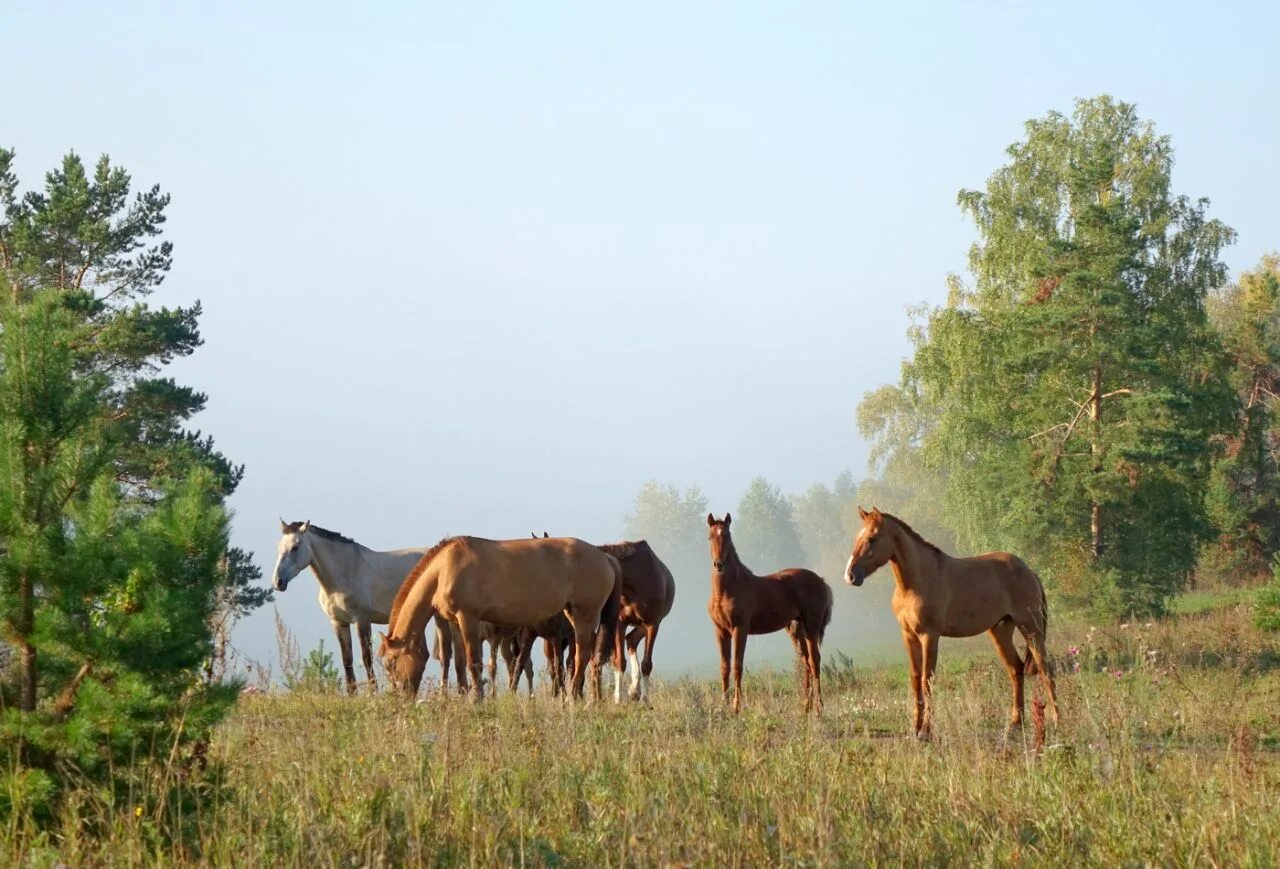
<point>335,563</point>
<point>418,608</point>
<point>913,563</point>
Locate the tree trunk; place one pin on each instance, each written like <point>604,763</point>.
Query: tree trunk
<point>1095,447</point>
<point>26,651</point>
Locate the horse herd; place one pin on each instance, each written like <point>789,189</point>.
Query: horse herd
<point>587,602</point>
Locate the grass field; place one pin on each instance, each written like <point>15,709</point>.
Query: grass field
<point>1167,754</point>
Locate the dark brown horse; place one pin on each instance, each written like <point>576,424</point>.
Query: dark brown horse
<point>936,595</point>
<point>796,600</point>
<point>648,592</point>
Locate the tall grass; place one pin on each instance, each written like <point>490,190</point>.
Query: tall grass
<point>1166,754</point>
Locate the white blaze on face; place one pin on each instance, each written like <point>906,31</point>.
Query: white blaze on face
<point>848,570</point>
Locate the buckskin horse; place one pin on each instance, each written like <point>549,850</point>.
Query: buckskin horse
<point>796,600</point>
<point>936,595</point>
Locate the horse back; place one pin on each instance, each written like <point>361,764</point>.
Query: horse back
<point>524,581</point>
<point>648,588</point>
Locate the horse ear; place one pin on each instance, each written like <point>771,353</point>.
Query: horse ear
<point>305,527</point>
<point>711,520</point>
<point>545,535</point>
<point>727,518</point>
<point>862,514</point>
<point>533,534</point>
<point>284,526</point>
<point>876,514</point>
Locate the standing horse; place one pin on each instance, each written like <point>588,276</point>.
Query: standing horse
<point>742,603</point>
<point>648,592</point>
<point>357,585</point>
<point>936,595</point>
<point>509,582</point>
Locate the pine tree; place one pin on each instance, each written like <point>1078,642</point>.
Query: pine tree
<point>113,538</point>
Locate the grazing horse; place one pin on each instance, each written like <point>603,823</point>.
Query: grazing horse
<point>648,593</point>
<point>936,595</point>
<point>357,585</point>
<point>742,603</point>
<point>469,580</point>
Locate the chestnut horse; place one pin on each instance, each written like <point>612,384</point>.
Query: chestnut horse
<point>936,595</point>
<point>470,580</point>
<point>796,600</point>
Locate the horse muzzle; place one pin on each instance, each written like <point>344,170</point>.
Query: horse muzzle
<point>855,575</point>
<point>279,584</point>
<point>718,565</point>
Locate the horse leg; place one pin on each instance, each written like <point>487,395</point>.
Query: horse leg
<point>619,662</point>
<point>1035,645</point>
<point>444,651</point>
<point>722,640</point>
<point>365,631</point>
<point>797,633</point>
<point>650,635</point>
<point>915,659</point>
<point>739,650</point>
<point>584,636</point>
<point>1002,636</point>
<point>343,632</point>
<point>474,649</point>
<point>815,666</point>
<point>526,659</point>
<point>929,646</point>
<point>493,665</point>
<point>461,659</point>
<point>633,642</point>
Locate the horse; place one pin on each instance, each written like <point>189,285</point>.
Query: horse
<point>557,639</point>
<point>509,582</point>
<point>357,585</point>
<point>742,603</point>
<point>648,593</point>
<point>936,595</point>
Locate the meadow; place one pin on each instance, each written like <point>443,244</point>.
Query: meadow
<point>1168,753</point>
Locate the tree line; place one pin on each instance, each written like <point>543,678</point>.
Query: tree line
<point>1095,395</point>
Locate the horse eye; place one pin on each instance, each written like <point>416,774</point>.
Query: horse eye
<point>873,538</point>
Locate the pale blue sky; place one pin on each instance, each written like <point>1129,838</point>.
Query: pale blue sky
<point>486,268</point>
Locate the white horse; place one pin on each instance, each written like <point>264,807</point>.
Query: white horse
<point>357,586</point>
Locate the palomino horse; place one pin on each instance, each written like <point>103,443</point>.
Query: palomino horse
<point>357,585</point>
<point>742,603</point>
<point>648,593</point>
<point>936,595</point>
<point>509,582</point>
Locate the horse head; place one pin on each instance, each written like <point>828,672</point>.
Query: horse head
<point>871,548</point>
<point>404,662</point>
<point>721,540</point>
<point>293,553</point>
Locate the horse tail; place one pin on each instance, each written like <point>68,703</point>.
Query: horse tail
<point>607,636</point>
<point>828,605</point>
<point>1029,667</point>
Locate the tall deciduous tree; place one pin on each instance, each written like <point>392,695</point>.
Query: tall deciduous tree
<point>1244,497</point>
<point>1078,384</point>
<point>113,537</point>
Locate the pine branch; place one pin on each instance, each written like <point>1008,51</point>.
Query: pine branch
<point>66,701</point>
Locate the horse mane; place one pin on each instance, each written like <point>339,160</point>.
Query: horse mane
<point>411,579</point>
<point>295,527</point>
<point>913,533</point>
<point>624,550</point>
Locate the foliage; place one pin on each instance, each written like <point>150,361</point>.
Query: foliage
<point>823,520</point>
<point>1074,392</point>
<point>1267,606</point>
<point>673,523</point>
<point>1244,492</point>
<point>764,529</point>
<point>114,549</point>
<point>316,673</point>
